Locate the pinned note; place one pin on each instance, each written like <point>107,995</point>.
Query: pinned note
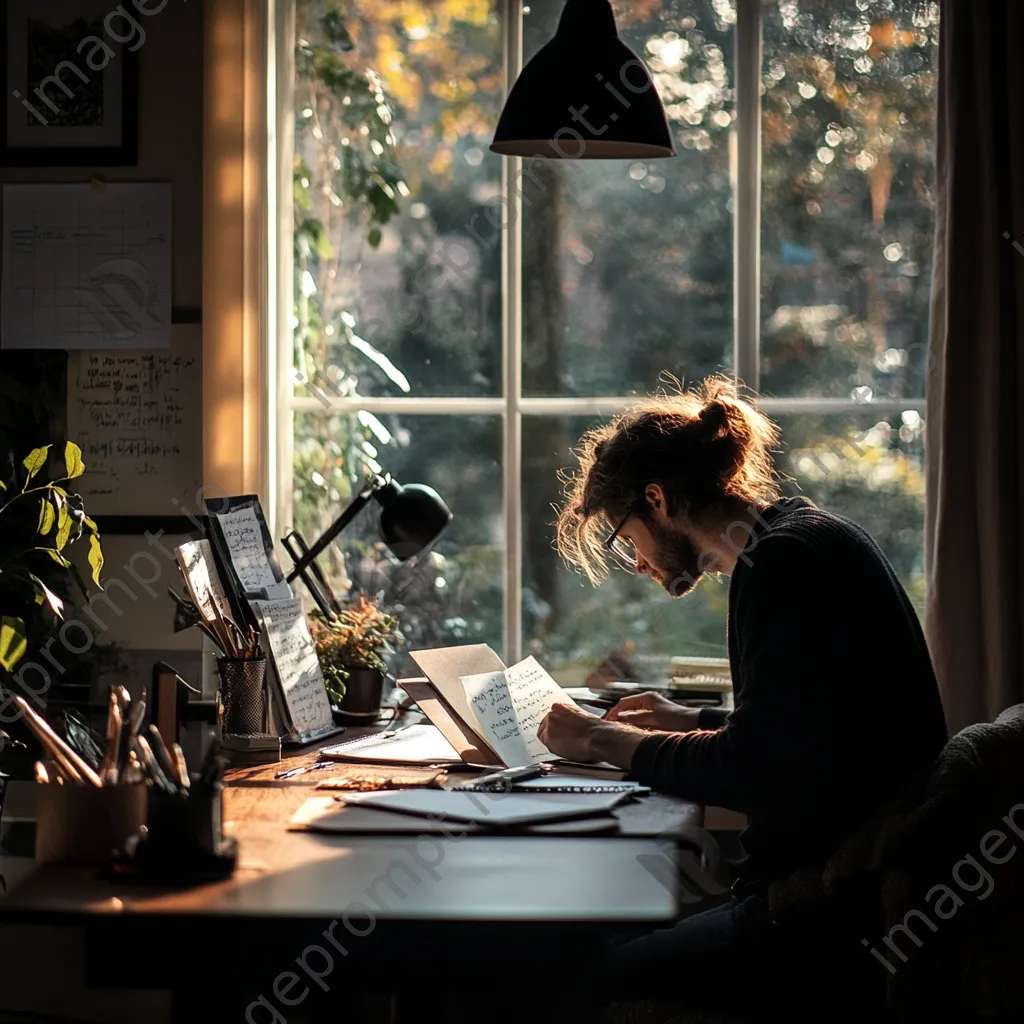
<point>86,266</point>
<point>137,416</point>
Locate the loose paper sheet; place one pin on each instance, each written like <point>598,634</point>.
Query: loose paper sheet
<point>487,808</point>
<point>204,582</point>
<point>86,268</point>
<point>244,539</point>
<point>287,635</point>
<point>415,744</point>
<point>509,707</point>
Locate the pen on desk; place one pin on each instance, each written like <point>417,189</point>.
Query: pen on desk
<point>507,777</point>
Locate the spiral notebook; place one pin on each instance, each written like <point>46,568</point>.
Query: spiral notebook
<point>559,783</point>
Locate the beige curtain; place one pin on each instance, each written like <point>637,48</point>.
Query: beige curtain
<point>974,551</point>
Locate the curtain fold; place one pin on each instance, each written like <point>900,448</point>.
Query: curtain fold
<point>975,440</point>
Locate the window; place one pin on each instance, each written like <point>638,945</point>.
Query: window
<point>460,319</point>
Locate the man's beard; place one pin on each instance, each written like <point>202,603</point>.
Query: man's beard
<point>677,567</point>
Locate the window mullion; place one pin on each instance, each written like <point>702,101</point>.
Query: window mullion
<point>512,362</point>
<point>747,196</point>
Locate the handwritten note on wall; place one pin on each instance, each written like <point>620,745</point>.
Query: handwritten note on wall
<point>138,418</point>
<point>295,662</point>
<point>510,706</point>
<point>244,539</point>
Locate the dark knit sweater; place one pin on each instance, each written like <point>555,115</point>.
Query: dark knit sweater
<point>836,703</point>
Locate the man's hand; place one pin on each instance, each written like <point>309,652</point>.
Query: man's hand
<point>652,711</point>
<point>578,736</point>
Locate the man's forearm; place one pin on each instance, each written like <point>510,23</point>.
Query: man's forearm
<point>617,744</point>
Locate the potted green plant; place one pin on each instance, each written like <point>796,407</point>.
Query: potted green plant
<point>39,520</point>
<point>351,648</point>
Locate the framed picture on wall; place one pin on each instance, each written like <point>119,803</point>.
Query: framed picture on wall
<point>71,76</point>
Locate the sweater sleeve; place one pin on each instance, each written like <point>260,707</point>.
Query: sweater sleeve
<point>712,718</point>
<point>763,741</point>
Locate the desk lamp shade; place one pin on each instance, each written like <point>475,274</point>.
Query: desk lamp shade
<point>585,95</point>
<point>412,517</point>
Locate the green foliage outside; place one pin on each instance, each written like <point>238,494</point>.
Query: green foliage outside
<point>627,273</point>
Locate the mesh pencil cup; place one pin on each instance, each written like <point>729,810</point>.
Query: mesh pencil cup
<point>242,695</point>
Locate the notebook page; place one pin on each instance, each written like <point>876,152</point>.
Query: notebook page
<point>533,692</point>
<point>495,717</point>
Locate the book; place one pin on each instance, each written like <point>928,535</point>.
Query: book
<point>488,712</point>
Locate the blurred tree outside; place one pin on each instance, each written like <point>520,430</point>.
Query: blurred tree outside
<point>627,273</point>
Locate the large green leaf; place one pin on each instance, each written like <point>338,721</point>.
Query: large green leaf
<point>36,459</point>
<point>46,518</point>
<point>73,460</point>
<point>64,524</point>
<point>58,558</point>
<point>46,594</point>
<point>12,641</point>
<point>95,558</point>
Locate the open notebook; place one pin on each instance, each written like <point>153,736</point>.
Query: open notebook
<point>487,712</point>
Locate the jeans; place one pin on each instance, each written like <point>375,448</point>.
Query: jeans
<point>736,955</point>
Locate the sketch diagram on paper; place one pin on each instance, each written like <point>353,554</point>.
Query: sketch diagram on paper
<point>85,267</point>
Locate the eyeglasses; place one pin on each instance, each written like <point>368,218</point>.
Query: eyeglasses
<point>622,549</point>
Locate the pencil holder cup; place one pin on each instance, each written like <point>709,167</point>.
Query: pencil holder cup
<point>184,828</point>
<point>242,695</point>
<point>87,824</point>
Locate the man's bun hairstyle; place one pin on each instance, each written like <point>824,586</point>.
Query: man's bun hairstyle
<point>709,449</point>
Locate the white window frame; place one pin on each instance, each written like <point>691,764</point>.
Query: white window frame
<point>512,406</point>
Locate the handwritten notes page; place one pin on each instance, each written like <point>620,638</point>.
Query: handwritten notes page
<point>244,539</point>
<point>509,707</point>
<point>138,418</point>
<point>287,635</point>
<point>495,715</point>
<point>203,580</point>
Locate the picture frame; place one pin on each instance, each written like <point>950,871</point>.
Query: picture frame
<point>71,77</point>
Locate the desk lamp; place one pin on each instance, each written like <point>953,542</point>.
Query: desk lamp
<point>411,519</point>
<point>584,95</point>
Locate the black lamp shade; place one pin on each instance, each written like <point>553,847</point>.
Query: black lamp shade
<point>412,517</point>
<point>585,95</point>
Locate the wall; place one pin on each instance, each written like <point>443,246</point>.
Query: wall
<point>170,149</point>
<point>171,127</point>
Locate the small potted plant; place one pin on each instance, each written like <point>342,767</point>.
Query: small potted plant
<point>351,648</point>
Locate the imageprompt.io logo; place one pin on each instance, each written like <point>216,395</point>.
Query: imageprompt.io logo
<point>122,296</point>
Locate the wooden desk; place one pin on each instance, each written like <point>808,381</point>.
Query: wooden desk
<point>379,897</point>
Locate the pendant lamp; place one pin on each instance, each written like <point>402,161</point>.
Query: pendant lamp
<point>585,95</point>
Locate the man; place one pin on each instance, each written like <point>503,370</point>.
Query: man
<point>835,701</point>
